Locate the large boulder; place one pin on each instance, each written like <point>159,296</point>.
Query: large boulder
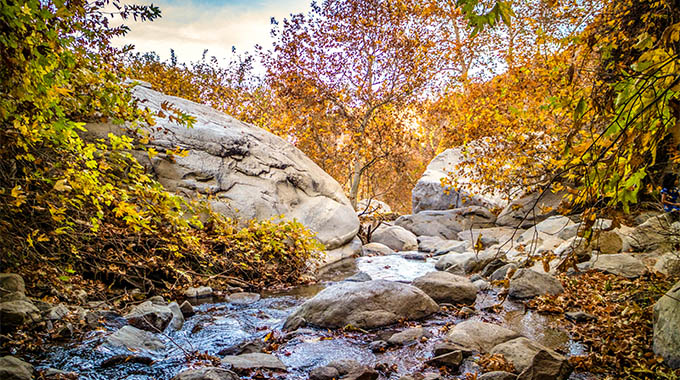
<point>446,223</point>
<point>372,207</point>
<point>620,264</point>
<point>667,327</point>
<point>466,263</point>
<point>14,314</point>
<point>134,339</point>
<point>12,368</point>
<point>396,238</point>
<point>534,361</point>
<point>447,287</point>
<point>10,283</point>
<point>439,246</point>
<point>479,336</point>
<point>254,360</point>
<point>490,236</point>
<point>530,209</point>
<point>429,194</point>
<point>149,316</point>
<point>669,264</point>
<point>376,249</point>
<point>527,283</point>
<point>658,232</point>
<point>351,249</point>
<point>248,172</point>
<point>364,305</point>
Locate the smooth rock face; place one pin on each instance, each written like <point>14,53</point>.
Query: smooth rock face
<point>429,194</point>
<point>243,298</point>
<point>371,207</point>
<point>465,263</point>
<point>251,173</point>
<point>492,235</point>
<point>667,327</point>
<point>135,339</point>
<point>364,305</point>
<point>447,223</point>
<point>529,210</point>
<point>533,360</point>
<point>16,313</point>
<point>396,238</point>
<point>447,287</point>
<point>527,283</point>
<point>658,232</point>
<point>254,360</point>
<point>502,272</point>
<point>479,336</point>
<point>12,368</point>
<point>620,264</point>
<point>351,249</point>
<point>150,317</point>
<point>177,316</point>
<point>200,292</point>
<point>206,373</point>
<point>11,282</point>
<point>376,249</point>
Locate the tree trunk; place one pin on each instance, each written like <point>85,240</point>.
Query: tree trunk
<point>356,180</point>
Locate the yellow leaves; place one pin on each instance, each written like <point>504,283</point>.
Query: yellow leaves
<point>19,196</point>
<point>62,185</point>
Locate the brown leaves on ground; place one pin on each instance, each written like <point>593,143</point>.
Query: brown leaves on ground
<point>619,340</point>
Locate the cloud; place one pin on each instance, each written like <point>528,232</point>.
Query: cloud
<point>189,27</point>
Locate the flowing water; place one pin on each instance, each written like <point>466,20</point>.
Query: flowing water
<point>219,326</point>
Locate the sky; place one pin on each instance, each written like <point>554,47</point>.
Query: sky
<point>191,26</point>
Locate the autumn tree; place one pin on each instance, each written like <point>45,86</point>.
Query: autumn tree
<point>361,63</point>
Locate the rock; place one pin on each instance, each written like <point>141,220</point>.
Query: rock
<point>414,334</point>
<point>186,309</point>
<point>352,370</point>
<point>575,228</point>
<point>206,373</point>
<point>491,267</point>
<point>490,236</point>
<point>57,313</point>
<point>134,339</point>
<point>12,368</point>
<point>372,207</point>
<point>497,375</point>
<point>396,238</point>
<point>376,249</point>
<point>253,361</point>
<point>479,336</point>
<point>246,347</point>
<point>527,283</point>
<point>658,232</point>
<point>669,264</point>
<point>429,194</point>
<point>447,287</point>
<point>465,263</point>
<point>149,317</point>
<point>439,246</point>
<point>445,347</point>
<point>429,243</point>
<point>507,270</point>
<point>446,223</point>
<point>524,354</point>
<point>243,298</point>
<point>351,249</point>
<point>11,282</point>
<point>450,359</point>
<point>359,277</point>
<point>14,314</point>
<point>530,209</point>
<point>324,373</point>
<point>481,285</point>
<point>378,346</point>
<point>200,292</point>
<point>57,374</point>
<point>249,172</point>
<point>667,327</point>
<point>158,300</point>
<point>579,316</point>
<point>620,264</point>
<point>14,296</point>
<point>415,256</point>
<point>607,242</point>
<point>364,305</point>
<point>177,317</point>
<point>553,225</point>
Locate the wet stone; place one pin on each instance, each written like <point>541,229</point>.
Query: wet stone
<point>243,298</point>
<point>253,361</point>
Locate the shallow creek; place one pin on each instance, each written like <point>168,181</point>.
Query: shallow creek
<point>217,326</point>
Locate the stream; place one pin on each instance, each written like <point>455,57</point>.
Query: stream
<point>219,326</point>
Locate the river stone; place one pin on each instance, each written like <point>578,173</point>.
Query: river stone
<point>429,243</point>
<point>57,313</point>
<point>498,375</point>
<point>527,283</point>
<point>444,287</point>
<point>12,368</point>
<point>149,316</point>
<point>200,292</point>
<point>667,327</point>
<point>376,249</point>
<point>177,316</point>
<point>522,352</point>
<point>135,339</point>
<point>350,369</point>
<point>658,232</point>
<point>206,373</point>
<point>324,373</point>
<point>669,264</point>
<point>620,264</point>
<point>364,305</point>
<point>414,334</point>
<point>254,360</point>
<point>248,172</point>
<point>429,194</point>
<point>446,223</point>
<point>11,282</point>
<point>14,314</point>
<point>396,238</point>
<point>466,263</point>
<point>243,298</point>
<point>500,273</point>
<point>351,249</point>
<point>490,236</point>
<point>529,210</point>
<point>372,207</point>
<point>14,296</point>
<point>479,336</point>
<point>359,277</point>
<point>187,309</point>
